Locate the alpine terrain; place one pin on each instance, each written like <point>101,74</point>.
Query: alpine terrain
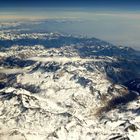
<point>63,87</point>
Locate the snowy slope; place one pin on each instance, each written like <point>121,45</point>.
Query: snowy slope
<point>76,91</point>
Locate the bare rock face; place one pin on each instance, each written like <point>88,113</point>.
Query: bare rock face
<point>81,91</point>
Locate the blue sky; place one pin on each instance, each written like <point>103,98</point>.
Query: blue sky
<point>62,3</point>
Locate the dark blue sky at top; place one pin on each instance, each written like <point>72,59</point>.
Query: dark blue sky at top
<point>71,3</point>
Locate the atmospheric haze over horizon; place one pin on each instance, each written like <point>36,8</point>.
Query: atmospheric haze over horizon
<point>118,27</point>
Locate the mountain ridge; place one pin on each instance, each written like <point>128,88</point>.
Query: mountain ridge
<point>80,90</point>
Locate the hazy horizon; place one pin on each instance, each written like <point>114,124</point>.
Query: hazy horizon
<point>115,21</point>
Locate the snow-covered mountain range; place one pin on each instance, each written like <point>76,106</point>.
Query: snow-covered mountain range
<point>55,86</point>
